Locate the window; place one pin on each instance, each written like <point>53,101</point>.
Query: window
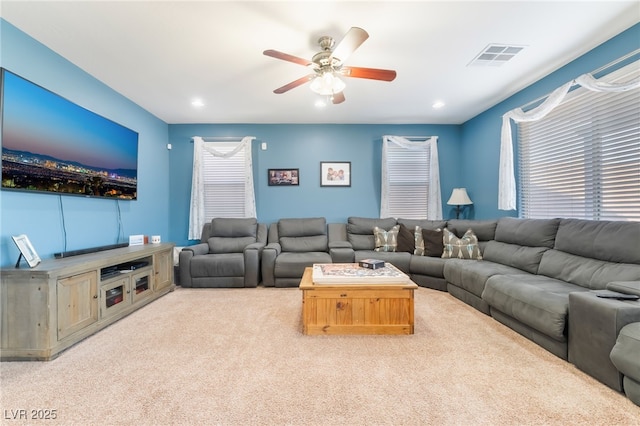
<point>222,182</point>
<point>410,179</point>
<point>582,160</point>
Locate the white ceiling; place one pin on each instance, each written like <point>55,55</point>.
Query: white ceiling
<point>163,54</point>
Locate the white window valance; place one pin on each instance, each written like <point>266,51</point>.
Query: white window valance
<point>428,144</point>
<point>506,176</point>
<point>197,212</point>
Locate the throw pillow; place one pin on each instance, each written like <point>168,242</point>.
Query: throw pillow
<point>386,240</point>
<point>406,241</point>
<point>460,248</point>
<point>433,242</point>
<point>418,241</point>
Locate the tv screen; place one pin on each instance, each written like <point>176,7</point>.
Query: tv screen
<point>52,145</point>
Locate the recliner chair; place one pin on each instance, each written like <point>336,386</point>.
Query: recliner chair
<point>228,254</point>
<point>293,245</point>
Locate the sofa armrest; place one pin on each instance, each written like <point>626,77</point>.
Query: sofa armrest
<point>341,252</point>
<point>342,255</point>
<point>269,254</point>
<point>184,262</point>
<point>198,249</point>
<point>252,255</point>
<point>340,244</point>
<point>627,287</point>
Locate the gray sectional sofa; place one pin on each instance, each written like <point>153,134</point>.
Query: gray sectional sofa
<point>528,270</point>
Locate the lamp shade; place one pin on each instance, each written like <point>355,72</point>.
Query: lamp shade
<point>459,197</point>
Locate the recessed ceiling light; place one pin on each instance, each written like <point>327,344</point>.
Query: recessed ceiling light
<point>198,103</point>
<point>437,104</point>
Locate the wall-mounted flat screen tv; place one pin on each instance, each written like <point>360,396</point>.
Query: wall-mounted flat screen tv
<point>51,145</point>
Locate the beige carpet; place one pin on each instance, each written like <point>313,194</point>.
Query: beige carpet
<point>237,357</point>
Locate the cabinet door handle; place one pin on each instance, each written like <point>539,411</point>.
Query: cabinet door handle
<point>95,296</point>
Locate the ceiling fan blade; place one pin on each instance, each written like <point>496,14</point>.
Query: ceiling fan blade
<point>351,41</point>
<point>370,73</point>
<point>337,98</point>
<point>286,57</point>
<point>294,84</point>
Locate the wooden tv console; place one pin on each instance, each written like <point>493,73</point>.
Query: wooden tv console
<point>48,308</point>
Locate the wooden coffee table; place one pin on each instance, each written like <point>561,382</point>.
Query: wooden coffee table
<point>342,308</point>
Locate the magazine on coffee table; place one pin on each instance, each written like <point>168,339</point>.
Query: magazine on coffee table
<point>352,273</point>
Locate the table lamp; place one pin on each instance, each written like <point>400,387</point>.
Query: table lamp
<point>459,198</point>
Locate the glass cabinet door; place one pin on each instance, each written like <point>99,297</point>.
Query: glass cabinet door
<point>115,296</point>
<point>140,285</point>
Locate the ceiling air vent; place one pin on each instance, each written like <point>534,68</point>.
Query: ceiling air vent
<point>495,55</point>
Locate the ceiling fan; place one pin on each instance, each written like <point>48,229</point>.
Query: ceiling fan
<point>328,66</point>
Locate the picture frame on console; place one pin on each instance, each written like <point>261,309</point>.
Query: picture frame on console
<point>26,250</point>
<point>335,173</point>
<point>284,177</point>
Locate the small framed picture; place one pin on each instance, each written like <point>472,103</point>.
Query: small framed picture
<point>26,250</point>
<point>284,177</point>
<point>335,173</point>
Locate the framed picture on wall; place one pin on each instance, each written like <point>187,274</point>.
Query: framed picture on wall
<point>335,173</point>
<point>284,177</point>
<point>26,250</point>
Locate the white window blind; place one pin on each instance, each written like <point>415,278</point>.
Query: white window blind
<point>224,182</point>
<point>582,160</point>
<point>408,177</point>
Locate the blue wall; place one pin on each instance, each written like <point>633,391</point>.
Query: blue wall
<point>304,146</point>
<point>480,146</point>
<point>89,222</point>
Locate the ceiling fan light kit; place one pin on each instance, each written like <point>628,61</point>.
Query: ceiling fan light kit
<point>328,66</point>
<point>327,84</point>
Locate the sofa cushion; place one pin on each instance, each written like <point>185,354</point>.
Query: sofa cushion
<point>521,257</point>
<point>406,239</point>
<point>234,227</point>
<point>360,231</point>
<point>398,259</point>
<point>472,276</point>
<point>219,265</point>
<point>305,244</point>
<point>465,247</point>
<point>537,301</point>
<point>540,302</point>
<point>422,223</point>
<point>386,240</point>
<point>589,273</point>
<point>304,227</point>
<point>604,240</point>
<point>427,265</point>
<point>231,235</point>
<point>292,264</point>
<point>485,230</point>
<point>229,245</point>
<point>303,235</point>
<point>527,232</point>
